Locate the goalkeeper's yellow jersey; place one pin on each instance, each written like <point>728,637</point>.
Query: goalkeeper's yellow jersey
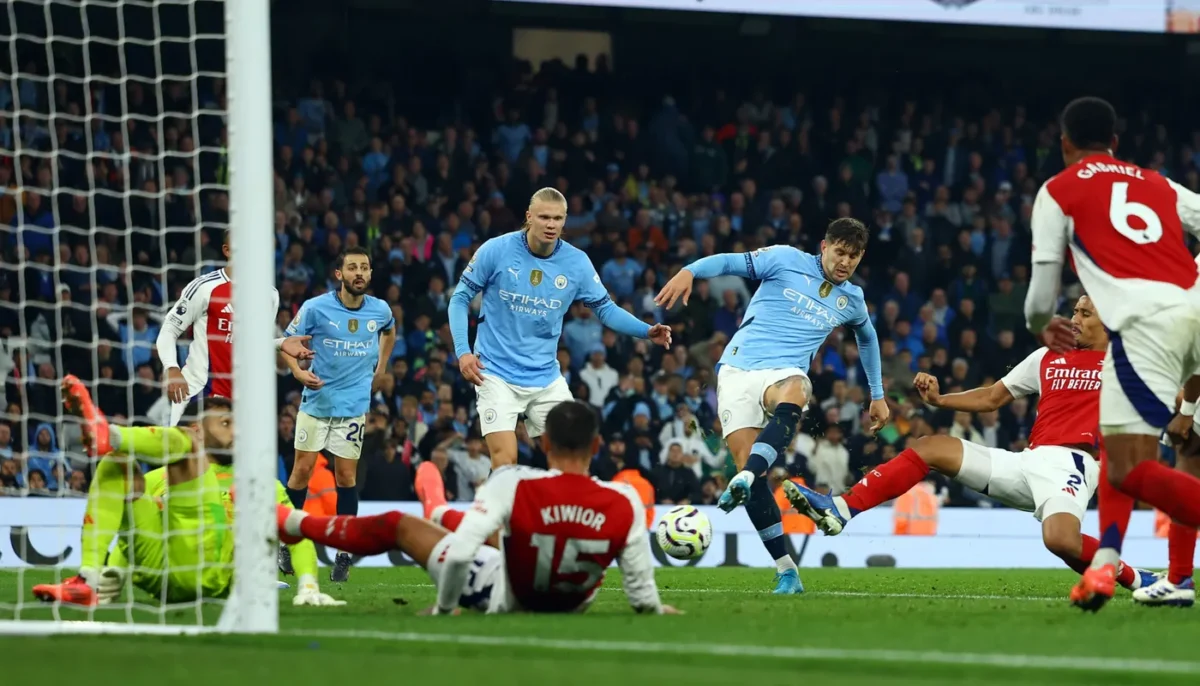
<point>304,554</point>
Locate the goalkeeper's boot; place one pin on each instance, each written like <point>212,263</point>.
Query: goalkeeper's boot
<point>340,573</point>
<point>285,561</point>
<point>72,591</point>
<point>1163,593</point>
<point>78,402</point>
<point>788,583</point>
<point>1095,588</point>
<point>737,492</point>
<point>816,506</point>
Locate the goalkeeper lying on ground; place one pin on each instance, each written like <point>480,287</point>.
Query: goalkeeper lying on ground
<point>186,555</point>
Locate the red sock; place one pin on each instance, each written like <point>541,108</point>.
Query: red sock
<point>1175,493</point>
<point>889,480</point>
<point>1181,547</point>
<point>451,519</point>
<point>1090,545</point>
<point>358,535</point>
<point>1114,509</point>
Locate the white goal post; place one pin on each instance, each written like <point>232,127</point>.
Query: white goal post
<point>246,174</point>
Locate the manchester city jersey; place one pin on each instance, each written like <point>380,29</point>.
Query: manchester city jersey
<point>345,345</point>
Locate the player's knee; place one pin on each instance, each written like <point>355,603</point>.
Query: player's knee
<point>930,448</point>
<point>1061,535</point>
<point>794,391</point>
<point>1117,471</point>
<point>346,480</point>
<point>301,473</point>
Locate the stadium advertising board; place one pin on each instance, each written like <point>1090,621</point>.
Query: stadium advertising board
<point>1150,16</point>
<point>47,532</point>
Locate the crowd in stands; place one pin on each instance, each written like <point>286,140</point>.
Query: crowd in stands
<point>113,219</point>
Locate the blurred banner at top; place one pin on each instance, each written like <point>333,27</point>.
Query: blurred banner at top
<point>1150,16</point>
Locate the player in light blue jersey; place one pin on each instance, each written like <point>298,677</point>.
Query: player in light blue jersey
<point>762,377</point>
<point>352,338</point>
<point>529,279</point>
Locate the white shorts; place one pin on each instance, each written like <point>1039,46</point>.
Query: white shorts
<point>740,395</point>
<point>499,403</point>
<point>1046,480</point>
<point>339,436</point>
<point>196,386</point>
<point>1147,362</point>
<point>486,586</point>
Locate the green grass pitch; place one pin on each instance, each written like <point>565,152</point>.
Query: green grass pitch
<point>882,626</point>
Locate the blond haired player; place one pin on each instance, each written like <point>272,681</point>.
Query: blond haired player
<point>528,280</point>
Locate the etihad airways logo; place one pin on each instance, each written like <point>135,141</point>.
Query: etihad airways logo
<point>810,309</point>
<point>535,305</point>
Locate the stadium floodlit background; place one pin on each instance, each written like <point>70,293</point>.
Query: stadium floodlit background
<point>419,130</point>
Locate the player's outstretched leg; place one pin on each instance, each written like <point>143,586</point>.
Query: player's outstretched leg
<point>751,487</point>
<point>1176,588</point>
<point>886,482</point>
<point>371,535</point>
<point>1062,535</point>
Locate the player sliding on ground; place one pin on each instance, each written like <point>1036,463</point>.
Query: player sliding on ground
<point>762,385</point>
<point>529,279</point>
<point>558,531</point>
<point>353,334</point>
<point>186,555</point>
<point>1125,226</point>
<point>1054,479</point>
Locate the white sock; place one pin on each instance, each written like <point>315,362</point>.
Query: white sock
<point>784,564</point>
<point>292,523</point>
<point>1106,556</point>
<point>843,509</point>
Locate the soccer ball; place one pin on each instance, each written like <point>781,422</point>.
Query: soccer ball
<point>684,533</point>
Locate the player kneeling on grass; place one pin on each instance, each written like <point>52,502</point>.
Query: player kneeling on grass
<point>186,555</point>
<point>556,532</point>
<point>1054,479</point>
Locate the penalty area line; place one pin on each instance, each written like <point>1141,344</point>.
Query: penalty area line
<point>1015,661</point>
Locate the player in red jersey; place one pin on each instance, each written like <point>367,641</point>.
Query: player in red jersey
<point>1125,228</point>
<point>559,530</point>
<point>206,307</point>
<point>1054,479</point>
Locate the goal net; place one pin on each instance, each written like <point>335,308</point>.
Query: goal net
<point>133,135</point>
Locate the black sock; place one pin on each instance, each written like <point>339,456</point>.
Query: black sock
<point>765,516</point>
<point>774,438</point>
<point>297,496</point>
<point>347,500</point>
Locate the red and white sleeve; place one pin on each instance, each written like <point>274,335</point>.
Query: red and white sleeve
<point>179,319</point>
<point>637,567</point>
<point>1187,203</point>
<point>1025,378</point>
<point>489,513</point>
<point>1049,225</point>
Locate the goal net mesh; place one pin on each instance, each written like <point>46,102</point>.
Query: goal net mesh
<point>114,195</point>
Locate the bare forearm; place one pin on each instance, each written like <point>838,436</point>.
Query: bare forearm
<point>975,400</point>
<point>386,343</point>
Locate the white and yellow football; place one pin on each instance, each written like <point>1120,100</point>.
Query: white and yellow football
<point>684,533</point>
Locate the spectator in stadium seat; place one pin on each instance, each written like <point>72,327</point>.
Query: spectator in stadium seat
<point>599,376</point>
<point>675,482</point>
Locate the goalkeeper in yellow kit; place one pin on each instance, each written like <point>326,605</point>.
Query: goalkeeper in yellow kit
<point>174,526</point>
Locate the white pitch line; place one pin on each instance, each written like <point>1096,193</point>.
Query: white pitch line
<point>1015,661</point>
<point>837,594</point>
